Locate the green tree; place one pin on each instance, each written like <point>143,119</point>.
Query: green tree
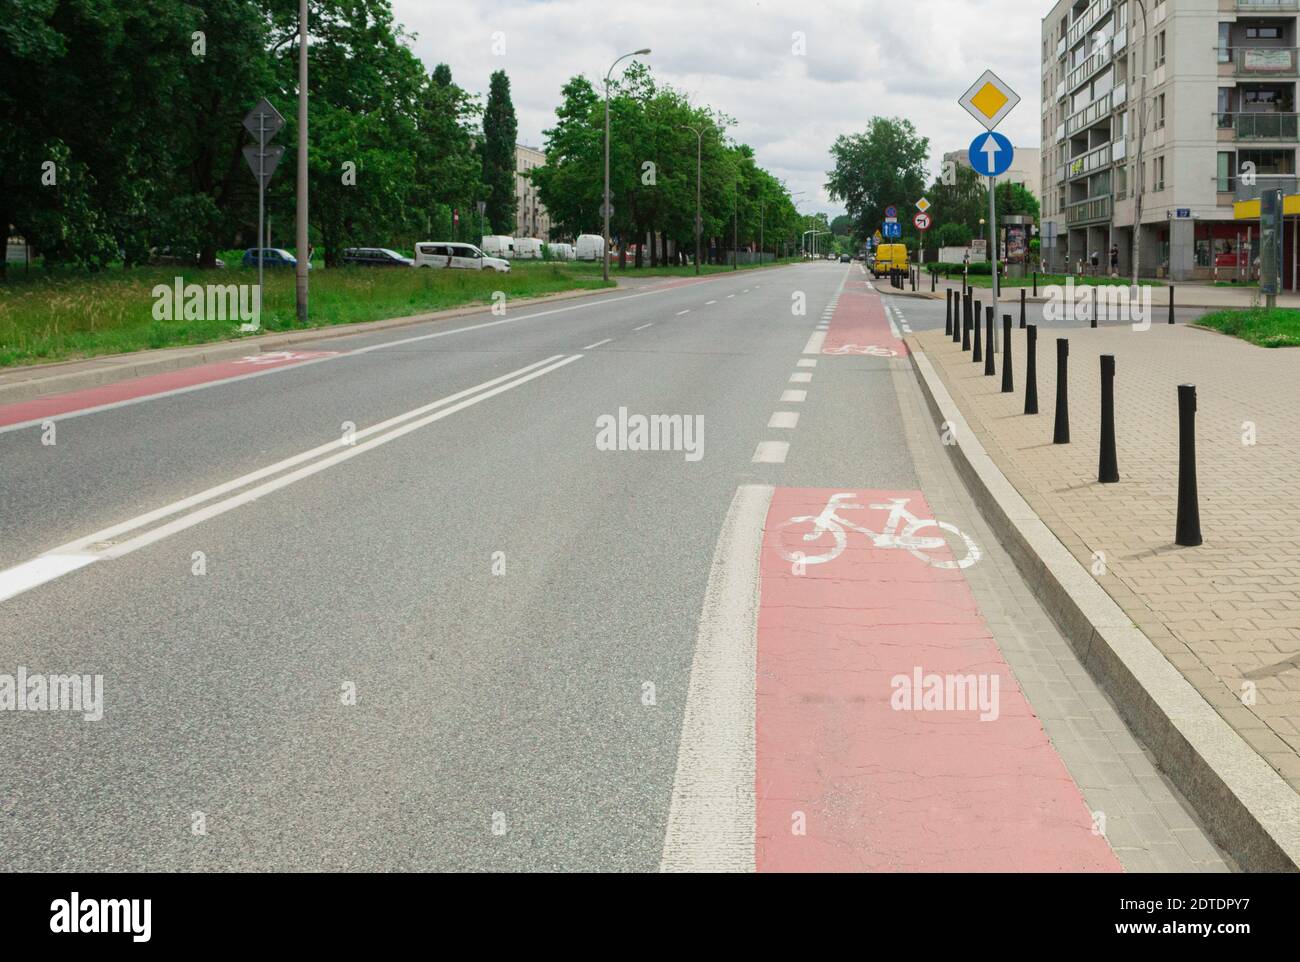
<point>1015,199</point>
<point>500,136</point>
<point>883,166</point>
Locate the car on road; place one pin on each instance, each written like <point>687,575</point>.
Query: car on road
<point>375,257</point>
<point>454,256</point>
<point>271,257</point>
<point>845,259</point>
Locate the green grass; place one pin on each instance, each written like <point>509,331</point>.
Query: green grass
<point>66,315</point>
<point>1047,280</point>
<point>1279,327</point>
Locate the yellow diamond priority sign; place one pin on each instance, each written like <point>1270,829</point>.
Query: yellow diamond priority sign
<point>989,100</point>
<point>923,205</point>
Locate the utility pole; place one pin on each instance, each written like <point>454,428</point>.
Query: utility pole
<point>1142,129</point>
<point>735,225</point>
<point>304,253</point>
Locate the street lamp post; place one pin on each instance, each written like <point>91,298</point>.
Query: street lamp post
<point>735,225</point>
<point>304,249</point>
<point>699,152</point>
<point>1142,129</point>
<point>605,205</point>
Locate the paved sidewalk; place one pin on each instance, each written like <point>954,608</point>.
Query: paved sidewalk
<point>1226,614</point>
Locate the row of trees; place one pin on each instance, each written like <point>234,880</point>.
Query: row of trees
<point>122,128</point>
<point>656,134</point>
<point>887,165</point>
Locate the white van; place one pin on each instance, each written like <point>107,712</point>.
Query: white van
<point>498,245</point>
<point>528,249</point>
<point>457,256</point>
<point>561,252</point>
<point>590,247</point>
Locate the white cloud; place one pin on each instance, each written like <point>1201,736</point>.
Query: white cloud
<point>909,58</point>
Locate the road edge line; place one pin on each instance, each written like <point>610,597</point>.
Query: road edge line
<point>711,819</point>
<point>1246,805</point>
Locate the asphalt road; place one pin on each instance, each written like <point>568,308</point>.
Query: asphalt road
<point>496,591</point>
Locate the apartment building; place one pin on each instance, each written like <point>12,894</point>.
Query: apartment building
<point>1025,170</point>
<point>531,218</point>
<point>1220,128</point>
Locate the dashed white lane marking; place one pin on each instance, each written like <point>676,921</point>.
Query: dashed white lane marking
<point>707,303</point>
<point>644,326</point>
<point>807,362</point>
<point>83,551</point>
<point>784,419</point>
<point>814,345</point>
<point>771,452</point>
<point>711,816</point>
<point>590,347</point>
<point>801,377</point>
<point>731,295</point>
<point>680,313</point>
<point>794,397</point>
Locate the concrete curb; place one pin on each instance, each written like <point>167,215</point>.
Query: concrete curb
<point>1244,803</point>
<point>111,368</point>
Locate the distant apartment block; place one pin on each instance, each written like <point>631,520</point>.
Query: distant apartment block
<point>1221,127</point>
<point>531,218</point>
<point>1026,168</point>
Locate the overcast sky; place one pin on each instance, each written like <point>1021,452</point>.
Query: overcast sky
<point>909,58</point>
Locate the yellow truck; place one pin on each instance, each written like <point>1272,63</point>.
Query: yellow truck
<point>889,257</point>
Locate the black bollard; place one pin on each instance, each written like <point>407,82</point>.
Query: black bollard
<point>1031,369</point>
<point>912,275</point>
<point>1035,285</point>
<point>989,370</point>
<point>934,280</point>
<point>947,317</point>
<point>965,323</point>
<point>1189,511</point>
<point>958,309</point>
<point>977,355</point>
<point>1022,306</point>
<point>1171,313</point>
<point>1061,433</point>
<point>1108,463</point>
<point>1007,386</point>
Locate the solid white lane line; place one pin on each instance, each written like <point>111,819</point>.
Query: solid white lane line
<point>59,561</point>
<point>800,377</point>
<point>814,345</point>
<point>771,452</point>
<point>643,326</point>
<point>711,815</point>
<point>590,347</point>
<point>793,397</point>
<point>807,362</point>
<point>784,419</point>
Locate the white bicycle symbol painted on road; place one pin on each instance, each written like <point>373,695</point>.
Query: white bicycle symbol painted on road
<point>900,531</point>
<point>869,350</point>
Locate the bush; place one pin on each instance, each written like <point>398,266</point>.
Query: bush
<point>976,268</point>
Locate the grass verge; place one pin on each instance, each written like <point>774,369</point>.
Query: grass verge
<point>61,316</point>
<point>1279,327</point>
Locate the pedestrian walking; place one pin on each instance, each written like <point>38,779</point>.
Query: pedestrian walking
<point>1114,260</point>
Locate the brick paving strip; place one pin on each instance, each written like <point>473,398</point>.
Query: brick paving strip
<point>1225,615</point>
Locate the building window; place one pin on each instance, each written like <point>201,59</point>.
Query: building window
<point>1225,43</point>
<point>1160,111</point>
<point>1263,33</point>
<point>1160,48</point>
<point>1158,175</point>
<point>1223,174</point>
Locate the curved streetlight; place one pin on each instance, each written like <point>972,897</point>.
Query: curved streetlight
<point>699,152</point>
<point>636,53</point>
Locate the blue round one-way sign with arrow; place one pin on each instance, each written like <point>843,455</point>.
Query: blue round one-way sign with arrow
<point>991,154</point>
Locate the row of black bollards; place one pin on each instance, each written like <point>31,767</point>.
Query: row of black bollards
<point>964,314</point>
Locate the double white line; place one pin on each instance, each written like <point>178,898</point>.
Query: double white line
<point>107,544</point>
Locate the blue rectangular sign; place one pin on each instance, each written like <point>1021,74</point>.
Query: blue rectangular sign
<point>892,230</point>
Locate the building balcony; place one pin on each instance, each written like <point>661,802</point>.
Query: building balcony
<point>1266,6</point>
<point>1088,163</point>
<point>1090,211</point>
<point>1084,23</point>
<point>1262,61</point>
<point>1095,62</point>
<point>1259,126</point>
<point>1096,112</point>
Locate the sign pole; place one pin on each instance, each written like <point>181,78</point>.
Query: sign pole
<point>261,204</point>
<point>993,246</point>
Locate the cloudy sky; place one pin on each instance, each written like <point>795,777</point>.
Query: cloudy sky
<point>909,58</point>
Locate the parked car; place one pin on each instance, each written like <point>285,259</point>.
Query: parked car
<point>845,259</point>
<point>375,257</point>
<point>498,245</point>
<point>455,256</point>
<point>271,257</point>
<point>590,247</point>
<point>163,257</point>
<point>528,249</point>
